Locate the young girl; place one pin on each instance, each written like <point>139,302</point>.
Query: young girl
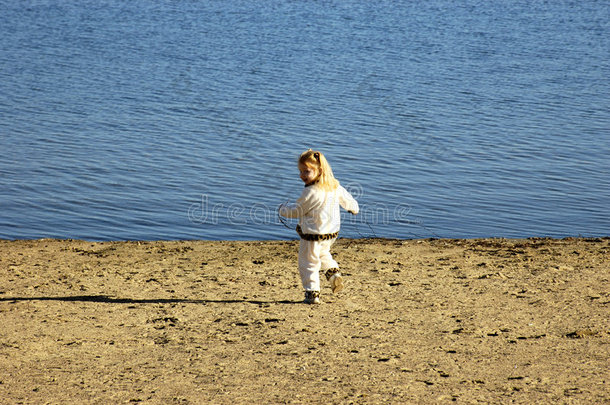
<point>319,222</point>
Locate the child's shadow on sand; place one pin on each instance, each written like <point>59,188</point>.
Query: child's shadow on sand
<point>110,300</point>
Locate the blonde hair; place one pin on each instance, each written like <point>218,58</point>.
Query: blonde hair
<point>313,158</point>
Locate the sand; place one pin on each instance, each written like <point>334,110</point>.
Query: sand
<point>420,321</point>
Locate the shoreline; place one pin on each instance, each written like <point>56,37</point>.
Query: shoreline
<point>296,238</point>
<point>420,320</point>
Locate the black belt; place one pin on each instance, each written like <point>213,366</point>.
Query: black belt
<point>315,236</point>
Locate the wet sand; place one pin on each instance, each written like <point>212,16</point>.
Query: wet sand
<point>420,321</point>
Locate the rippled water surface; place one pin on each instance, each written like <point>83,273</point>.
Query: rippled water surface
<point>183,119</point>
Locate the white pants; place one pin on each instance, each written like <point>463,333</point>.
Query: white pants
<point>314,256</point>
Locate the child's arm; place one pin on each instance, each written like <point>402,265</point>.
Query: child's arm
<point>291,210</point>
<point>347,201</point>
<point>300,208</point>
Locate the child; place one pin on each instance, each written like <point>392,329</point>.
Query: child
<point>319,222</point>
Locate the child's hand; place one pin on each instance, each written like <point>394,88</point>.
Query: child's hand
<point>352,212</point>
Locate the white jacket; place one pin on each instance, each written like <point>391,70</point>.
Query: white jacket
<point>318,210</point>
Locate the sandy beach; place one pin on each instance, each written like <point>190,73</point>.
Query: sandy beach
<point>191,322</point>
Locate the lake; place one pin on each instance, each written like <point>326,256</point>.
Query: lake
<point>174,120</point>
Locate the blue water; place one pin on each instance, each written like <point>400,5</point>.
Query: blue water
<point>183,119</point>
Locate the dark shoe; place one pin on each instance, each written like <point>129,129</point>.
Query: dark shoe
<point>331,272</point>
<point>312,297</point>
